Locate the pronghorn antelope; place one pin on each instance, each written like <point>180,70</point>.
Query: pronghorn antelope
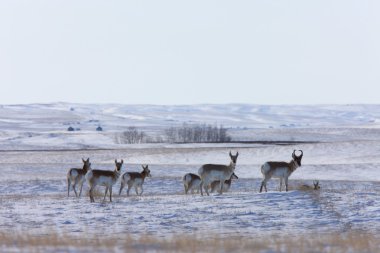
<point>191,182</point>
<point>76,176</point>
<point>316,185</point>
<point>226,185</point>
<point>106,178</point>
<point>134,179</point>
<point>280,170</point>
<point>306,187</point>
<point>216,172</point>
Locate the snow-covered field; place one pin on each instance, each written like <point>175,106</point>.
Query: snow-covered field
<point>341,147</point>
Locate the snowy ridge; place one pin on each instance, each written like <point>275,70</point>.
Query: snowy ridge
<point>38,126</point>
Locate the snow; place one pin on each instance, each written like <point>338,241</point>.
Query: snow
<point>341,146</point>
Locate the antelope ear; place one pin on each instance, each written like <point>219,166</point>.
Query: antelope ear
<point>115,161</point>
<point>230,153</point>
<point>83,160</point>
<point>122,161</point>
<point>88,159</point>
<point>237,154</point>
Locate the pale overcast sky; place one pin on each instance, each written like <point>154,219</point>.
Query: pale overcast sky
<point>189,52</point>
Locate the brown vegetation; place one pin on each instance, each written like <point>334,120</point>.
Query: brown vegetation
<point>53,242</point>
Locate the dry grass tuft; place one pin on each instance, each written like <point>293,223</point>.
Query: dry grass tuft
<point>54,242</point>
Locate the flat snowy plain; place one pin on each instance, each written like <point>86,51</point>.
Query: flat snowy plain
<point>341,146</point>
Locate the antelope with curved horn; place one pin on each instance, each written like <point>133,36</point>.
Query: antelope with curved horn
<point>76,176</point>
<point>280,170</point>
<point>134,179</point>
<point>306,187</point>
<point>217,172</point>
<point>316,185</point>
<point>105,178</point>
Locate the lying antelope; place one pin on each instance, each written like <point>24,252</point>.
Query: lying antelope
<point>76,176</point>
<point>280,170</point>
<point>216,172</point>
<point>105,178</point>
<point>308,187</point>
<point>191,182</point>
<point>134,179</point>
<point>316,185</point>
<point>226,185</point>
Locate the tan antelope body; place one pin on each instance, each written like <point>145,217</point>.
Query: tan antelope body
<point>191,182</point>
<point>105,178</point>
<point>216,172</point>
<point>281,170</point>
<point>134,179</point>
<point>76,176</point>
<point>226,185</point>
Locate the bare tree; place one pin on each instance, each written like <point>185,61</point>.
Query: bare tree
<point>131,136</point>
<point>171,134</point>
<point>197,133</point>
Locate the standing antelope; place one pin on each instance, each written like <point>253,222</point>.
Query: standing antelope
<point>226,185</point>
<point>135,179</point>
<point>76,175</point>
<point>105,178</point>
<point>216,172</point>
<point>191,182</point>
<point>280,170</point>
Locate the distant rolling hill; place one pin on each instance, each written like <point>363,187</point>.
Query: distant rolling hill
<point>33,125</point>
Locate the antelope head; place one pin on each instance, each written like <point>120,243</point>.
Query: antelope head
<point>146,170</point>
<point>316,185</point>
<point>86,164</point>
<point>118,165</point>
<point>234,157</point>
<point>296,158</point>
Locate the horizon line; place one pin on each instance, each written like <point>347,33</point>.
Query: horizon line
<point>185,104</point>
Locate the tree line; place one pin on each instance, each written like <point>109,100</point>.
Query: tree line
<point>131,136</point>
<point>197,133</point>
<point>187,133</point>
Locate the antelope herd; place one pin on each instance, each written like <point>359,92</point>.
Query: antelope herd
<point>214,177</point>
